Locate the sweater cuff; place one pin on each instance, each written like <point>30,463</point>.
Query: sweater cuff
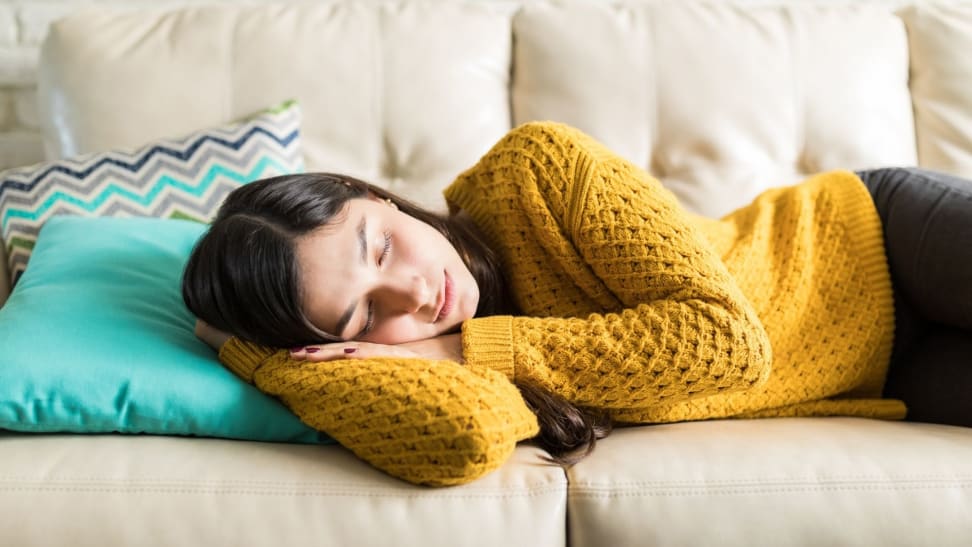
<point>243,358</point>
<point>488,341</point>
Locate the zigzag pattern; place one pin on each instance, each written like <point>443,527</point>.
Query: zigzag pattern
<point>184,178</point>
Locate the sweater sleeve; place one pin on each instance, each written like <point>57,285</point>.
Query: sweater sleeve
<point>669,322</point>
<point>428,422</point>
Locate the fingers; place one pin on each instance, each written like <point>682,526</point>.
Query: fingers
<point>325,352</point>
<point>350,350</point>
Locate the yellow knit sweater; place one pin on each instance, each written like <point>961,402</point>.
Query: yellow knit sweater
<point>631,305</point>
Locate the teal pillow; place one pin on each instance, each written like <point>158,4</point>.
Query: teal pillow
<point>96,338</point>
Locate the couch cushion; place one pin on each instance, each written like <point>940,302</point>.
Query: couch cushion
<point>404,94</point>
<point>783,481</point>
<point>940,36</point>
<point>721,100</point>
<point>124,490</point>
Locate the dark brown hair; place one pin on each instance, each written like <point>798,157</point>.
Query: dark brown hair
<point>243,278</point>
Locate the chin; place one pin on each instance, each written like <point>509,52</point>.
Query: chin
<point>452,330</point>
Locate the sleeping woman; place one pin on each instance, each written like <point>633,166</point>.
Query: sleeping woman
<point>568,291</point>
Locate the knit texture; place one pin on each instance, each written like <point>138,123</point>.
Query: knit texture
<point>636,307</point>
<point>429,422</point>
<point>631,305</point>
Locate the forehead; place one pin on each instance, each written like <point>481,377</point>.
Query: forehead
<point>329,262</point>
<point>325,259</point>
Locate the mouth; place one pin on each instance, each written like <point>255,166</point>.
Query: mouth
<point>448,298</point>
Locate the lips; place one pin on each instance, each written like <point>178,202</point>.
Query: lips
<point>448,298</point>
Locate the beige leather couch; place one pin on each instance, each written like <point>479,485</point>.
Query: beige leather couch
<point>718,100</point>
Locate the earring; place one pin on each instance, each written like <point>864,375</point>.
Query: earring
<point>392,203</point>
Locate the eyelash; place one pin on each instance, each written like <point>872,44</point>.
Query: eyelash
<point>371,305</point>
<point>386,249</point>
<point>371,319</point>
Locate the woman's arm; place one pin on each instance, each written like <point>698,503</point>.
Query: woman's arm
<point>428,422</point>
<point>584,230</point>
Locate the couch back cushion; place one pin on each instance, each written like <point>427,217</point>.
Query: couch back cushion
<point>403,94</point>
<point>940,37</point>
<point>722,102</point>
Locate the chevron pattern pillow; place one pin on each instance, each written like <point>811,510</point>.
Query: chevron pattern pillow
<point>184,178</point>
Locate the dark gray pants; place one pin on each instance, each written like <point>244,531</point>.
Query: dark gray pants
<point>927,219</point>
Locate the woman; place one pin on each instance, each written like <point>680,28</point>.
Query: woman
<point>582,282</point>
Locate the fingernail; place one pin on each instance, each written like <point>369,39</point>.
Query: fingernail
<point>295,350</point>
<point>350,350</point>
<point>311,350</point>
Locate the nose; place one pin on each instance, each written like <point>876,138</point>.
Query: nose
<point>408,293</point>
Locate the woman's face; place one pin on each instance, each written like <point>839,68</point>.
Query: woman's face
<point>379,275</point>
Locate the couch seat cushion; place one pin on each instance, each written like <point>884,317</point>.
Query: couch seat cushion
<point>110,490</point>
<point>783,481</point>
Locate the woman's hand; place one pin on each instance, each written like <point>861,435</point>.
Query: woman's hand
<point>448,346</point>
<point>213,337</point>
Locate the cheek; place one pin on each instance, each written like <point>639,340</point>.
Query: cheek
<point>399,330</point>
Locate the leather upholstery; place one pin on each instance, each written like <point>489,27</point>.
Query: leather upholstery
<point>941,75</point>
<point>105,490</point>
<point>722,103</point>
<point>403,94</point>
<point>783,481</point>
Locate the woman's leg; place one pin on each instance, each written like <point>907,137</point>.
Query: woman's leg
<point>927,219</point>
<point>935,381</point>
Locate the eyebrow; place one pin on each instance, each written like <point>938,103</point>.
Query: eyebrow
<point>363,247</point>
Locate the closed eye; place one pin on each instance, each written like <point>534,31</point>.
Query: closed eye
<point>386,250</point>
<point>370,320</point>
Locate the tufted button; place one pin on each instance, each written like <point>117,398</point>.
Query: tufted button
<point>805,165</point>
<point>656,166</point>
